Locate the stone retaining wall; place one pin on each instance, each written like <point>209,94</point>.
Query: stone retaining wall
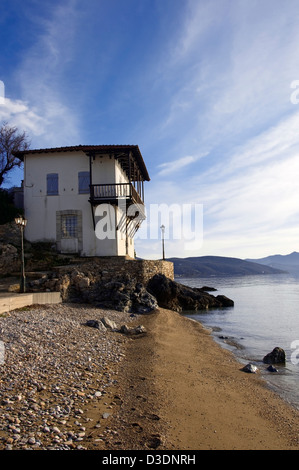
<point>112,268</point>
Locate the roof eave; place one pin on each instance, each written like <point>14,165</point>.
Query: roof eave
<point>90,148</point>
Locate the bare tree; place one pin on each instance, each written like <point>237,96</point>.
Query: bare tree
<point>11,140</point>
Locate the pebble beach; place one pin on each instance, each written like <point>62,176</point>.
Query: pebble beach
<point>67,385</point>
<point>55,369</point>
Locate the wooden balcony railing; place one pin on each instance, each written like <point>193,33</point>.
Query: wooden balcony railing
<point>113,192</point>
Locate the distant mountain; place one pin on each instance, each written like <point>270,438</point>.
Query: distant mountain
<point>288,263</point>
<point>205,266</point>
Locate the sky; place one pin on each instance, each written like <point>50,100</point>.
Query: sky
<point>208,90</point>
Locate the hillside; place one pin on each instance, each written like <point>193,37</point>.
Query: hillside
<point>205,266</point>
<point>288,263</point>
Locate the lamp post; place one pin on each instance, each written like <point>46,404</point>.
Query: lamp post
<point>163,248</point>
<point>21,222</point>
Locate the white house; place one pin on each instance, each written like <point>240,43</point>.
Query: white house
<point>86,199</point>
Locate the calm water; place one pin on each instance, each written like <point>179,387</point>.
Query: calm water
<point>265,315</point>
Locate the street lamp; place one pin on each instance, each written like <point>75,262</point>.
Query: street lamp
<point>21,222</point>
<point>163,231</point>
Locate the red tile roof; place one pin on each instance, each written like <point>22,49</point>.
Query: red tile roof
<point>97,149</point>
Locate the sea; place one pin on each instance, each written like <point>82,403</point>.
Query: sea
<point>265,315</point>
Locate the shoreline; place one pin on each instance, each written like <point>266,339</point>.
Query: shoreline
<point>200,395</point>
<point>272,381</point>
<point>67,386</point>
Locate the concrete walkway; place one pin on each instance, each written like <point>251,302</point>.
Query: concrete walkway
<point>10,301</point>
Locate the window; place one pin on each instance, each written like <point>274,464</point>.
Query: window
<point>83,182</point>
<point>52,184</point>
<point>69,226</point>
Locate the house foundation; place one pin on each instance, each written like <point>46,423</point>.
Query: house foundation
<point>111,268</point>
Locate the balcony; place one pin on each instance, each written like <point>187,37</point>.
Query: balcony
<point>113,193</point>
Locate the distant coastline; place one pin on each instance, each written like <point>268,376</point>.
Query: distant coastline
<point>289,263</point>
<point>209,266</point>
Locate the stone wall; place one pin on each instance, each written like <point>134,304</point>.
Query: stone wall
<point>114,268</point>
<point>9,259</point>
<point>117,283</point>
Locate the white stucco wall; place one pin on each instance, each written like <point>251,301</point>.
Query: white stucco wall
<point>41,209</point>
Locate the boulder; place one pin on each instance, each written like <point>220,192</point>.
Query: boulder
<point>175,296</point>
<point>142,300</point>
<point>81,281</point>
<point>225,301</point>
<point>250,368</point>
<point>127,296</point>
<point>277,356</point>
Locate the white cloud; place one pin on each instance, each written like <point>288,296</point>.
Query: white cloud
<point>19,114</point>
<point>180,163</point>
<point>229,80</point>
<point>199,20</point>
<point>231,91</point>
<point>253,204</point>
<point>250,197</point>
<point>45,108</point>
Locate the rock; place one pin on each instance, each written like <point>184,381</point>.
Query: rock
<point>250,368</point>
<point>14,288</point>
<point>51,285</point>
<point>126,296</point>
<point>272,369</point>
<point>109,323</point>
<point>140,330</point>
<point>143,301</point>
<point>81,282</point>
<point>124,329</point>
<point>175,296</point>
<point>95,324</point>
<point>133,331</point>
<point>225,301</point>
<point>277,356</point>
<point>64,287</point>
<point>9,258</point>
<point>31,440</point>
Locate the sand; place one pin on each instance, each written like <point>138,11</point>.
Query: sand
<point>179,390</point>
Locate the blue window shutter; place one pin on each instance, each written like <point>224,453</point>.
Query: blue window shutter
<point>84,182</point>
<point>52,184</point>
